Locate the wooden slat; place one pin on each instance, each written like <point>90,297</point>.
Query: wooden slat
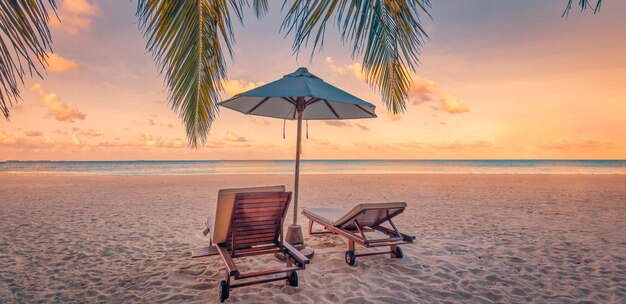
<point>255,233</point>
<point>259,209</point>
<point>257,242</point>
<point>242,238</point>
<point>268,272</point>
<point>204,251</point>
<point>253,226</point>
<point>268,219</point>
<point>269,214</point>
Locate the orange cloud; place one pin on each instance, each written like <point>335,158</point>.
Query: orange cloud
<point>57,108</point>
<point>452,105</point>
<point>232,137</point>
<point>160,142</point>
<point>33,133</point>
<point>75,16</point>
<point>342,124</point>
<point>338,123</point>
<point>57,63</point>
<point>233,87</point>
<point>355,69</point>
<point>88,132</point>
<point>259,121</point>
<point>575,145</point>
<point>17,142</point>
<point>420,90</point>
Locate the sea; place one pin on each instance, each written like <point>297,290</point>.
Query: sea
<point>187,167</point>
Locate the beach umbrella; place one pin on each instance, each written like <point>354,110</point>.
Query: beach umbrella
<point>300,96</point>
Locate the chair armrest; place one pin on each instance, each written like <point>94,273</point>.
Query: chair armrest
<point>296,254</point>
<point>228,261</point>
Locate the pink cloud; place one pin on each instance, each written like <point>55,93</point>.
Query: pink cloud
<point>57,108</point>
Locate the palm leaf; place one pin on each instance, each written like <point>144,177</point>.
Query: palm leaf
<point>584,4</point>
<point>388,34</point>
<point>24,43</point>
<point>186,40</point>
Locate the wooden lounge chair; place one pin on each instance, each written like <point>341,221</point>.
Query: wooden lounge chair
<point>249,222</point>
<point>357,223</point>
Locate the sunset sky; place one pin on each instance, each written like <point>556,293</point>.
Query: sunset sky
<point>498,80</point>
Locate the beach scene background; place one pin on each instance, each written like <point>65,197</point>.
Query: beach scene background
<point>510,154</point>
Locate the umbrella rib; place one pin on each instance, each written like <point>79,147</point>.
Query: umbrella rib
<point>258,105</point>
<point>364,110</point>
<point>331,108</point>
<point>288,100</point>
<point>312,101</point>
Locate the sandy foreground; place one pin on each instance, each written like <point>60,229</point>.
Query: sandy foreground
<point>480,239</point>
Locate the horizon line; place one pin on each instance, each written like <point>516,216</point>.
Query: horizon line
<point>324,159</point>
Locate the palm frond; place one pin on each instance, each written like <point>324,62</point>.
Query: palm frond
<point>24,44</point>
<point>260,7</point>
<point>584,4</point>
<point>186,40</point>
<point>388,33</point>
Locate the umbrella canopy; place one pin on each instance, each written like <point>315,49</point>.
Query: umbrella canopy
<point>297,96</point>
<point>278,99</point>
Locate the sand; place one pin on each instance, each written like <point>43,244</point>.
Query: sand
<point>480,239</point>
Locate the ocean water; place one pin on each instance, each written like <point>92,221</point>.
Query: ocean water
<point>318,167</point>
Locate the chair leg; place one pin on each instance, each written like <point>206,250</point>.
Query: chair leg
<point>310,227</point>
<point>393,250</point>
<point>351,246</point>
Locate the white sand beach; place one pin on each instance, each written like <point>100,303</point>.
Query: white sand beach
<point>480,239</point>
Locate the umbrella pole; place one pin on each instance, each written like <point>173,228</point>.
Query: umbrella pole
<point>297,181</point>
<point>294,232</point>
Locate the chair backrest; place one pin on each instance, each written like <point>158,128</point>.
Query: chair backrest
<point>370,214</point>
<point>257,219</point>
<point>224,209</point>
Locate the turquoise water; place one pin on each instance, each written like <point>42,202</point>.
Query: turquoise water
<point>319,167</point>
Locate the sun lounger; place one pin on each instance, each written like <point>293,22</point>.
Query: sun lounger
<point>358,224</point>
<point>249,222</point>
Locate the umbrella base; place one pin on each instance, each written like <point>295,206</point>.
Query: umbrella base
<point>294,235</point>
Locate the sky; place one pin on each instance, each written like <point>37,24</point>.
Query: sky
<point>497,80</point>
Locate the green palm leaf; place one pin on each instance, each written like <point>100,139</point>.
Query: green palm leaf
<point>184,39</point>
<point>584,4</point>
<point>388,34</point>
<point>24,43</point>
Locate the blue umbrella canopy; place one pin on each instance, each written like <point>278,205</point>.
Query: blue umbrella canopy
<point>318,99</point>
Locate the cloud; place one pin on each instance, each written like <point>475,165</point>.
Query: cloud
<point>429,146</point>
<point>76,16</point>
<point>344,124</point>
<point>575,145</point>
<point>18,142</point>
<point>232,137</point>
<point>355,69</point>
<point>57,108</point>
<point>57,63</point>
<point>259,121</point>
<point>233,87</point>
<point>75,139</point>
<point>88,132</point>
<point>421,89</point>
<point>33,133</point>
<point>452,105</point>
<point>160,142</point>
<point>362,127</point>
<point>325,144</point>
<point>338,123</point>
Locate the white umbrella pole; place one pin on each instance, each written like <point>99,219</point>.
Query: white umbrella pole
<point>297,181</point>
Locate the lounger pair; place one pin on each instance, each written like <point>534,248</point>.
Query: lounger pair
<point>362,225</point>
<point>249,222</point>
